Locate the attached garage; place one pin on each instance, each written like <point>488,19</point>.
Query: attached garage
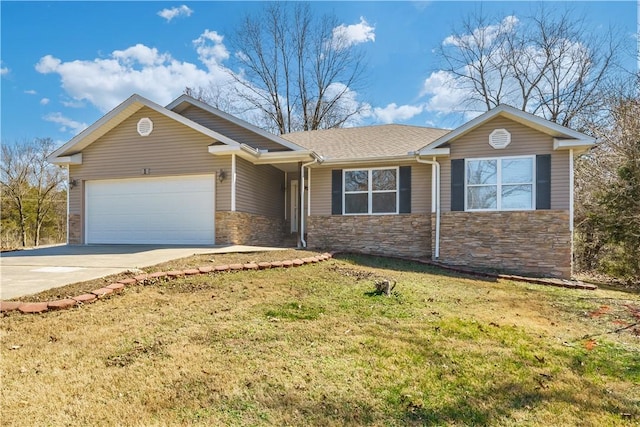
<point>178,210</point>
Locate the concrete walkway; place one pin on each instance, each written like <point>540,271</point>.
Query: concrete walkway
<point>31,271</point>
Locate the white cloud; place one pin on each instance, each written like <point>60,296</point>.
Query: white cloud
<point>393,113</point>
<point>211,49</point>
<point>4,71</point>
<point>30,92</point>
<point>175,12</point>
<point>140,54</point>
<point>345,36</point>
<point>47,64</point>
<point>485,34</point>
<point>105,82</point>
<point>445,94</point>
<point>73,103</point>
<point>44,101</point>
<point>67,124</point>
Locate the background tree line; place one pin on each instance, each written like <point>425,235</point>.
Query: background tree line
<point>33,196</point>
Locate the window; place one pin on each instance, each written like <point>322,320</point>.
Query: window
<point>504,183</point>
<point>370,191</point>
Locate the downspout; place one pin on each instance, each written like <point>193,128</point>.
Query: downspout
<point>436,183</point>
<point>303,242</point>
<point>571,189</point>
<point>571,208</point>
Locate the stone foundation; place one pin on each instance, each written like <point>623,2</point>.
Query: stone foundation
<point>401,235</point>
<point>531,242</point>
<point>75,229</point>
<point>241,228</point>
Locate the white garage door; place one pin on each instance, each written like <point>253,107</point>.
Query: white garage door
<point>167,210</point>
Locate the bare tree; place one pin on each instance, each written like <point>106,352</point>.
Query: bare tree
<point>608,190</point>
<point>32,185</point>
<point>550,65</point>
<point>46,180</point>
<point>15,163</point>
<point>295,69</point>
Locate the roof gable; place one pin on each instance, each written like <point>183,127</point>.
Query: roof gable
<point>558,132</point>
<point>119,114</point>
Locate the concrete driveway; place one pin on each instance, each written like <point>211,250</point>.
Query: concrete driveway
<point>34,270</point>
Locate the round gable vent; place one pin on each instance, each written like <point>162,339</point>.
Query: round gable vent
<point>499,138</point>
<point>145,126</point>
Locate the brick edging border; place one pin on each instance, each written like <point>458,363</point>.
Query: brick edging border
<point>148,278</point>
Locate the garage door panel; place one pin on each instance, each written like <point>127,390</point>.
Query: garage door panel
<point>168,210</point>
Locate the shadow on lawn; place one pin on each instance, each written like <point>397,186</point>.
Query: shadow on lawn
<point>399,264</point>
<point>499,397</point>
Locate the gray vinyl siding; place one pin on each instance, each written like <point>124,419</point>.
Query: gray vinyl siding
<point>320,191</point>
<point>171,149</point>
<point>525,141</point>
<point>259,189</point>
<point>230,129</point>
<point>560,188</point>
<point>420,187</point>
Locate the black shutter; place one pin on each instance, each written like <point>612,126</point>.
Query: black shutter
<point>543,181</point>
<point>405,189</point>
<point>457,185</point>
<point>336,192</point>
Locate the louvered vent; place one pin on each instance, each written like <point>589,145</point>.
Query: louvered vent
<point>499,138</point>
<point>145,126</point>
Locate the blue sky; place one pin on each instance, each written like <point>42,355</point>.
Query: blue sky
<point>65,64</point>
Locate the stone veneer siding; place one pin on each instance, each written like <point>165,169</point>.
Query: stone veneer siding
<point>524,242</point>
<point>241,228</point>
<point>75,229</point>
<point>402,235</point>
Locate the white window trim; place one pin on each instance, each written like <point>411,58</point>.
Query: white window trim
<point>370,191</point>
<point>499,183</point>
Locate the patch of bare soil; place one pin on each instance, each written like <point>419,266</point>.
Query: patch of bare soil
<point>615,316</point>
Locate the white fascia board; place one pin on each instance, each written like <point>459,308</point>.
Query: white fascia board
<point>75,159</point>
<point>572,144</point>
<point>262,158</point>
<point>284,157</point>
<point>368,160</point>
<point>223,149</point>
<point>435,152</point>
<point>277,139</point>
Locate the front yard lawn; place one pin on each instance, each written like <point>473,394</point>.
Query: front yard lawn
<point>314,345</point>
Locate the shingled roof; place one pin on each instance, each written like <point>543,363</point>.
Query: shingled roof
<point>366,142</point>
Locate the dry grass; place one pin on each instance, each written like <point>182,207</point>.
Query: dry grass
<point>177,264</point>
<point>315,346</point>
